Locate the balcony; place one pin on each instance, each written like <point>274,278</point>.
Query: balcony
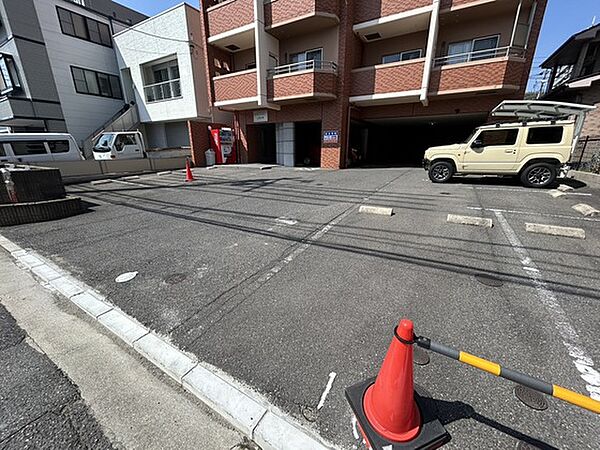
<point>231,24</point>
<point>237,90</point>
<point>308,80</point>
<point>167,90</point>
<point>399,82</point>
<point>288,18</point>
<point>376,20</point>
<point>494,70</point>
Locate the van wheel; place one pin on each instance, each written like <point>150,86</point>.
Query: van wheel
<point>441,172</point>
<point>539,175</point>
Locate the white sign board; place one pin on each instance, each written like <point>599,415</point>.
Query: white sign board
<point>261,116</point>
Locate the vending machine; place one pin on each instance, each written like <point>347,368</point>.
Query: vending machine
<point>222,143</point>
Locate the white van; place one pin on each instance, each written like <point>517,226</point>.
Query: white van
<point>119,145</point>
<point>38,147</point>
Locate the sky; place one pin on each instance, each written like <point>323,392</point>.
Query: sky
<point>563,19</point>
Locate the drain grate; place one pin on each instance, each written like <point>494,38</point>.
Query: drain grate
<point>175,278</point>
<point>309,413</point>
<point>489,280</point>
<point>420,356</point>
<point>531,398</point>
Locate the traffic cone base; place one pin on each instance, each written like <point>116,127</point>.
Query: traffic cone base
<point>189,176</point>
<point>408,435</point>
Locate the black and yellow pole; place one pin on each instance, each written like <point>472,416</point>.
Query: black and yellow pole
<point>518,377</point>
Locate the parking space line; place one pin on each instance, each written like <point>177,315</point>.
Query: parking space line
<point>529,213</point>
<point>570,339</point>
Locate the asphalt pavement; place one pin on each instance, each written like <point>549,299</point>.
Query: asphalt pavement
<point>41,407</point>
<point>274,277</point>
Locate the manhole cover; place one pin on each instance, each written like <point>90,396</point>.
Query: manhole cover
<point>531,398</point>
<point>309,413</point>
<point>420,356</point>
<point>175,278</point>
<point>489,280</point>
<point>522,445</point>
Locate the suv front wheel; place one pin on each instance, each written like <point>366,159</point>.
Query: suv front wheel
<point>538,175</point>
<point>441,171</point>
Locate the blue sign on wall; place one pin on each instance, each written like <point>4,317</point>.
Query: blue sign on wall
<point>331,137</point>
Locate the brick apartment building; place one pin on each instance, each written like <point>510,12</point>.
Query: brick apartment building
<point>335,83</point>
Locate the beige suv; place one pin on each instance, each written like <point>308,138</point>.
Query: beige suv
<point>535,148</point>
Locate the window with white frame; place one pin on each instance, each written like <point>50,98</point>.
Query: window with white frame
<point>473,50</point>
<point>402,56</point>
<point>309,59</point>
<point>162,80</point>
<point>9,79</point>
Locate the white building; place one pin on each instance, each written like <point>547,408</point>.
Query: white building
<point>163,68</point>
<point>60,71</point>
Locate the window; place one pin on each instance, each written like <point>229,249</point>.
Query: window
<point>82,27</point>
<point>26,148</point>
<point>545,135</point>
<point>96,83</point>
<point>491,138</point>
<point>474,50</point>
<point>58,146</point>
<point>402,56</point>
<point>9,79</point>
<point>162,81</point>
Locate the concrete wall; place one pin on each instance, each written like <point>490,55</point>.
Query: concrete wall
<point>243,58</point>
<point>137,46</point>
<point>374,52</point>
<point>83,113</point>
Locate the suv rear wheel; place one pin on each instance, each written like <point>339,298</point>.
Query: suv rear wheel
<point>538,175</point>
<point>441,171</point>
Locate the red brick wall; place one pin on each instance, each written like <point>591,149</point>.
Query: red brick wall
<point>302,84</point>
<point>235,86</point>
<point>199,141</point>
<point>397,78</point>
<point>470,76</point>
<point>372,9</point>
<point>229,16</point>
<point>279,11</point>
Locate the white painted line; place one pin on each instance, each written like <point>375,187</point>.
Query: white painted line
<point>123,326</point>
<point>354,428</point>
<point>276,432</point>
<point>96,182</point>
<point>325,393</point>
<point>565,188</point>
<point>586,210</point>
<point>286,221</point>
<point>379,210</point>
<point>556,193</point>
<point>125,277</point>
<point>570,339</point>
<point>91,304</point>
<point>225,398</point>
<point>528,213</point>
<point>166,172</point>
<point>470,220</point>
<point>66,287</point>
<point>172,361</point>
<point>553,230</point>
<point>132,177</point>
<point>46,273</point>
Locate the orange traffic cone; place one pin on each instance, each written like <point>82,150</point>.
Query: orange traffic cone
<point>390,403</point>
<point>391,410</point>
<point>189,176</point>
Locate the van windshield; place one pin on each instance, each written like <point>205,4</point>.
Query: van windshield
<point>104,143</point>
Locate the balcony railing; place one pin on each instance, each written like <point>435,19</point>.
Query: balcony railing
<point>165,90</point>
<point>479,55</point>
<point>322,66</point>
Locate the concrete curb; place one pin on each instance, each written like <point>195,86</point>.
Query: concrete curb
<point>379,210</point>
<point>589,178</point>
<point>245,409</point>
<point>553,230</point>
<point>470,220</point>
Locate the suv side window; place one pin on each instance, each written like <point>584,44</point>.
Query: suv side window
<point>545,135</point>
<point>498,137</point>
<point>58,146</point>
<point>26,148</point>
